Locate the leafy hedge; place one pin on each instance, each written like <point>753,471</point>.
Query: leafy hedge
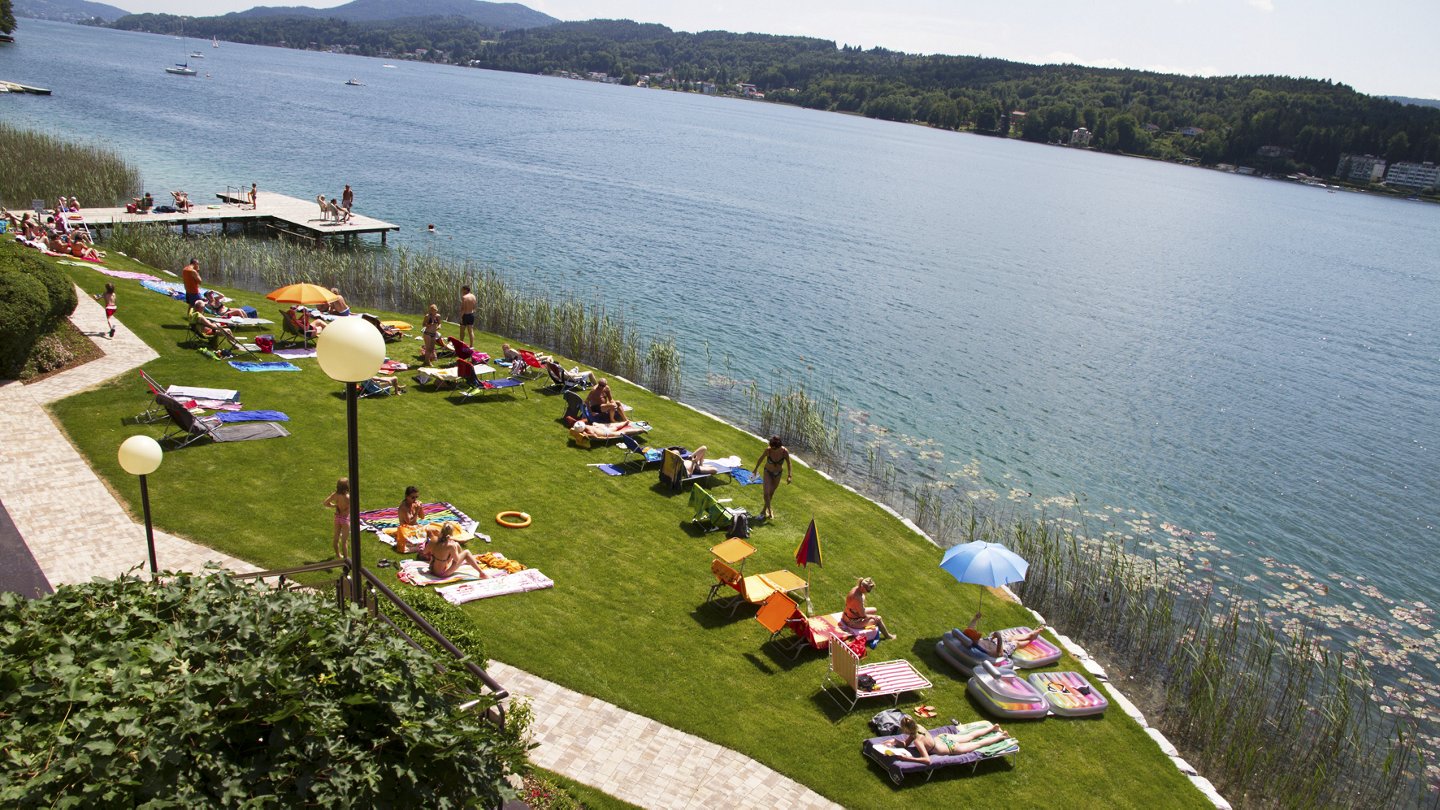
<point>34,298</point>
<point>206,691</point>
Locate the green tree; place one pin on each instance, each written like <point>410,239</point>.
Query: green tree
<point>7,17</point>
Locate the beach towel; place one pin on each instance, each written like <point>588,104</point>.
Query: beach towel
<point>294,354</point>
<point>126,274</point>
<point>416,572</point>
<point>377,520</point>
<point>279,365</point>
<point>249,431</point>
<point>211,405</point>
<point>252,416</point>
<point>613,469</point>
<point>174,289</point>
<point>183,392</point>
<point>528,580</point>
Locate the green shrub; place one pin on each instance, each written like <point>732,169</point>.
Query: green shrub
<point>23,306</point>
<point>59,290</point>
<point>206,691</point>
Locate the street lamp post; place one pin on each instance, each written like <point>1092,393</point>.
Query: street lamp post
<point>351,351</point>
<point>140,456</point>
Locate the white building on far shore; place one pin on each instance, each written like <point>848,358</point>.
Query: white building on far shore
<point>1422,176</point>
<point>1360,168</point>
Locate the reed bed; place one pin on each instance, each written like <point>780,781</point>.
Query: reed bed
<point>36,166</point>
<point>806,422</point>
<point>402,280</point>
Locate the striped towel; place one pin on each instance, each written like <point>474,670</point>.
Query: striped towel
<point>894,676</point>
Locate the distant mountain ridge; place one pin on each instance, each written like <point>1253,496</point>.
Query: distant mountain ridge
<point>67,10</point>
<point>507,16</point>
<point>1418,102</point>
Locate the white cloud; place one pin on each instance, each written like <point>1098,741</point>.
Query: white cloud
<point>1263,5</point>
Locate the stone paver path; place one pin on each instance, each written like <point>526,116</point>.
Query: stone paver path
<point>641,761</point>
<point>49,489</point>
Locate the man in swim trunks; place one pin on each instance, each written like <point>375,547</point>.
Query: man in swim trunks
<point>190,277</point>
<point>467,315</point>
<point>859,619</point>
<point>995,645</point>
<point>347,200</point>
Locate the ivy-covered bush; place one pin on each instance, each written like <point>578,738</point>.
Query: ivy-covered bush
<point>206,691</point>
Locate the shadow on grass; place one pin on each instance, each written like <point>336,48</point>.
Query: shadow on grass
<point>777,657</point>
<point>714,615</point>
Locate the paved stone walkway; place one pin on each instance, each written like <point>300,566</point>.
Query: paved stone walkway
<point>48,489</point>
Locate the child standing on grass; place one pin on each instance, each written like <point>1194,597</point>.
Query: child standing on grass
<point>108,299</point>
<point>339,500</point>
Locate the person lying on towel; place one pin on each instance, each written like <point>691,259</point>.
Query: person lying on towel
<point>918,739</point>
<point>994,645</point>
<point>446,555</point>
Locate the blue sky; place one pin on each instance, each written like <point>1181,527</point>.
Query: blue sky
<point>1384,47</point>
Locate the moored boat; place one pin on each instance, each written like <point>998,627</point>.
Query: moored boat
<point>181,69</point>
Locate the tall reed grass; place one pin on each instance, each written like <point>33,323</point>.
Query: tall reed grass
<point>804,421</point>
<point>402,280</point>
<point>36,166</point>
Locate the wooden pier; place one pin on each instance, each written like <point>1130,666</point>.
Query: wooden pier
<point>300,218</point>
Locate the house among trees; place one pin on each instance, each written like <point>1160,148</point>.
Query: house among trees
<point>1080,137</point>
<point>1191,132</point>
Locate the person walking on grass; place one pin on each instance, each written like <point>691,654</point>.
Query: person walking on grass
<point>775,457</point>
<point>108,299</point>
<point>339,500</point>
<point>467,315</point>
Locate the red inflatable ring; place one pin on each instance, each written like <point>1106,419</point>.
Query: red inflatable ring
<point>502,519</point>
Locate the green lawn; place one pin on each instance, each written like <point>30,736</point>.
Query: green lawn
<point>626,621</point>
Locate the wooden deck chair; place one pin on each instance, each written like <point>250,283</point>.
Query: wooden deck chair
<point>891,678</point>
<point>751,590</point>
<point>185,427</point>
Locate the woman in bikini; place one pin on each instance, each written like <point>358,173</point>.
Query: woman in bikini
<point>339,500</point>
<point>409,515</point>
<point>430,328</point>
<point>774,457</point>
<point>447,555</point>
<point>925,743</point>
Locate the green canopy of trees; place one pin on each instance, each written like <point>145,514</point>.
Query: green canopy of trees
<point>1304,124</point>
<point>7,17</point>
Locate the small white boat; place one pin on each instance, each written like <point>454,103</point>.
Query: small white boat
<point>214,43</point>
<point>196,55</point>
<point>181,69</point>
<point>355,83</point>
<point>392,67</point>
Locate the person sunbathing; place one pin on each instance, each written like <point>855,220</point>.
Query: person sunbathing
<point>409,516</point>
<point>182,201</point>
<point>446,555</point>
<point>587,430</point>
<point>918,739</point>
<point>214,304</point>
<point>603,404</point>
<point>859,618</point>
<point>204,326</point>
<point>995,645</point>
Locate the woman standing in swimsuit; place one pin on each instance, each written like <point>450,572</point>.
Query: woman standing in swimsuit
<point>774,457</point>
<point>339,500</point>
<point>917,738</point>
<point>430,328</point>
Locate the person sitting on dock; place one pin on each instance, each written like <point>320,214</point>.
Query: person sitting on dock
<point>182,201</point>
<point>324,207</point>
<point>74,205</point>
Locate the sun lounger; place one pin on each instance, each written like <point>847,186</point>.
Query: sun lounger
<point>892,678</point>
<point>897,769</point>
<point>185,427</point>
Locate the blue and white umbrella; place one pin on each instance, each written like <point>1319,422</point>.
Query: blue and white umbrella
<point>982,563</point>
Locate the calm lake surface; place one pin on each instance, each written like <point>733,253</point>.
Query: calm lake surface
<point>1250,358</point>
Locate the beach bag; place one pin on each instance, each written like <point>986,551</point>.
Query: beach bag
<point>250,312</point>
<point>865,683</point>
<point>887,722</point>
<point>266,343</point>
<point>740,527</point>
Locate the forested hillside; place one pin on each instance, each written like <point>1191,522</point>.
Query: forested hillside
<point>1273,123</point>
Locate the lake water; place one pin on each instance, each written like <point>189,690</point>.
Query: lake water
<point>1250,358</point>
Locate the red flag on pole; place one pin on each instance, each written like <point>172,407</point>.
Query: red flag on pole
<point>808,552</point>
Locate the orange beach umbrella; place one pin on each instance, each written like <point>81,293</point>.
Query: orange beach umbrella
<point>306,294</point>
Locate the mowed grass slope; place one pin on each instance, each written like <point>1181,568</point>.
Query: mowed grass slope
<point>626,621</point>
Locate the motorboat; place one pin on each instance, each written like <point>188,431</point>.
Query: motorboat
<point>355,83</point>
<point>181,69</point>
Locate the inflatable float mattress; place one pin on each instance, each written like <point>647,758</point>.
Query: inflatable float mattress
<point>1036,654</point>
<point>955,649</point>
<point>1005,694</point>
<point>1069,694</point>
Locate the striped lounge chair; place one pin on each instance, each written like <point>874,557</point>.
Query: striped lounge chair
<point>891,677</point>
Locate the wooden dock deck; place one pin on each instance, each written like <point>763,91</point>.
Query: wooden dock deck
<point>300,217</point>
